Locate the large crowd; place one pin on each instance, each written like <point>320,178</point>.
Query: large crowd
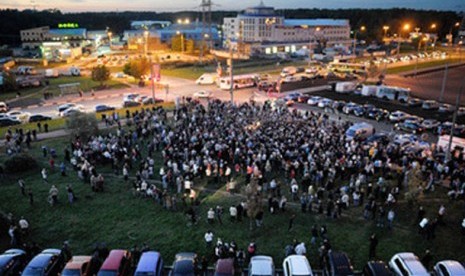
<point>290,155</point>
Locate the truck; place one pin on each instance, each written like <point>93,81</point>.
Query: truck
<point>345,86</point>
<point>206,79</point>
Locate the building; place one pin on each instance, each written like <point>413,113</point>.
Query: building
<point>33,38</point>
<point>261,30</point>
<point>149,25</point>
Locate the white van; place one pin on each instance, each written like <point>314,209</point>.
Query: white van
<point>369,90</point>
<point>345,87</point>
<point>297,265</point>
<point>360,131</point>
<point>51,73</point>
<point>206,79</point>
<point>404,264</point>
<point>457,143</point>
<point>288,71</point>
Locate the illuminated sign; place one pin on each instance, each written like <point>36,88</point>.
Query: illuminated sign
<point>68,25</point>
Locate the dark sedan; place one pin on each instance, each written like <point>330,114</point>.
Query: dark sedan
<point>410,127</point>
<point>184,264</point>
<point>38,118</point>
<point>9,122</point>
<point>131,104</point>
<point>377,114</point>
<point>103,108</point>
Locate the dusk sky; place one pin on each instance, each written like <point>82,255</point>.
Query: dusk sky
<point>178,5</point>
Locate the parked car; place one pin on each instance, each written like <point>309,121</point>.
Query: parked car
<point>325,103</point>
<point>314,100</point>
<point>117,263</point>
<point>39,118</point>
<point>12,262</point>
<point>303,98</point>
<point>407,263</point>
<point>448,268</point>
<point>127,104</point>
<point>359,111</point>
<point>430,105</point>
<point>72,111</point>
<point>349,108</point>
<point>103,108</point>
<point>150,100</point>
<point>261,266</point>
<point>359,131</point>
<point>297,265</point>
<point>65,106</point>
<point>397,116</point>
<point>78,266</point>
<point>292,96</point>
<point>150,263</point>
<point>49,262</point>
<point>7,121</point>
<point>410,127</point>
<point>446,108</point>
<point>380,138</point>
<point>184,264</point>
<point>224,267</point>
<point>414,102</point>
<point>130,97</point>
<point>430,124</point>
<point>19,115</point>
<point>202,94</point>
<point>266,85</point>
<point>377,114</point>
<point>338,264</point>
<point>338,105</point>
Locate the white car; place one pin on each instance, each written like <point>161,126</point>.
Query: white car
<point>297,265</point>
<point>65,106</point>
<point>430,124</point>
<point>430,105</point>
<point>71,111</point>
<point>407,264</point>
<point>349,108</point>
<point>261,265</point>
<point>19,115</point>
<point>325,103</point>
<point>314,100</point>
<point>397,116</point>
<point>130,97</point>
<point>449,267</point>
<point>202,94</point>
<point>444,108</point>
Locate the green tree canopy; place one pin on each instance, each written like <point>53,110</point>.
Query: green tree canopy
<point>137,68</point>
<point>101,74</point>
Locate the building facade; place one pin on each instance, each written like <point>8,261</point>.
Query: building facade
<point>266,32</point>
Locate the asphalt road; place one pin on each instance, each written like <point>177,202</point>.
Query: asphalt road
<point>428,86</point>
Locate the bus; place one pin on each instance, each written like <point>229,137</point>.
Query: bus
<point>393,93</point>
<point>344,67</point>
<point>239,81</point>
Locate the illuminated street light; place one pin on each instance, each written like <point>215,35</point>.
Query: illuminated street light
<point>385,29</point>
<point>179,21</point>
<point>406,27</point>
<point>433,26</point>
<point>186,21</point>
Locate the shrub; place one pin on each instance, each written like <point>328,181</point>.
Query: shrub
<point>82,125</point>
<point>20,163</point>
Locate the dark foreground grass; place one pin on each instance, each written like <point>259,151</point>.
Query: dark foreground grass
<point>122,220</point>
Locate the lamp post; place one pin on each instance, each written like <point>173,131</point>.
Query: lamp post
<point>182,40</point>
<point>355,32</point>
<point>385,29</point>
<point>406,28</point>
<point>433,28</point>
<point>109,38</point>
<point>146,38</point>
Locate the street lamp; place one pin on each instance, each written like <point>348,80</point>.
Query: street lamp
<point>385,29</point>
<point>109,37</point>
<point>355,32</point>
<point>182,40</point>
<point>406,28</point>
<point>146,36</point>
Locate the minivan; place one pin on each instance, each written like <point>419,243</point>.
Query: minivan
<point>150,263</point>
<point>359,131</point>
<point>295,265</point>
<point>116,264</point>
<point>407,263</point>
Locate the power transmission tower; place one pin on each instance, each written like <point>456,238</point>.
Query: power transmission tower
<point>206,6</point>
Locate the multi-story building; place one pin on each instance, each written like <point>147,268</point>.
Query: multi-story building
<point>261,30</point>
<point>33,38</point>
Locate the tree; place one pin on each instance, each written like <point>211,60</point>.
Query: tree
<point>137,68</point>
<point>82,125</point>
<point>190,46</point>
<point>9,81</point>
<point>101,74</point>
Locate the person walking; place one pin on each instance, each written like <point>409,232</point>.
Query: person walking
<point>373,245</point>
<point>44,174</point>
<point>53,195</point>
<point>22,186</point>
<point>390,218</point>
<point>210,216</point>
<point>71,196</point>
<point>209,238</point>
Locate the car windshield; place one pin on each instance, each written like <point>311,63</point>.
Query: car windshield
<point>71,272</point>
<point>107,273</point>
<point>33,271</point>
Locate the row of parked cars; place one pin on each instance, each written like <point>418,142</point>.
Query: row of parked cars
<point>51,262</point>
<point>402,121</point>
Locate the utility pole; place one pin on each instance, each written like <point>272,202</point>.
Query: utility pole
<point>202,41</point>
<point>231,75</point>
<point>444,81</point>
<point>454,120</point>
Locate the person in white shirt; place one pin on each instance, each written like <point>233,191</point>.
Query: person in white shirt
<point>233,213</point>
<point>209,238</point>
<point>300,249</point>
<point>211,216</point>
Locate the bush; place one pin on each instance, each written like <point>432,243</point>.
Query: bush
<point>20,163</point>
<point>82,125</point>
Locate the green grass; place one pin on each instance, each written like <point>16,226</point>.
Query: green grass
<point>121,220</point>
<point>421,65</point>
<point>86,84</point>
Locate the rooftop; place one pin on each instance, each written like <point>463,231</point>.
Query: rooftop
<point>316,22</point>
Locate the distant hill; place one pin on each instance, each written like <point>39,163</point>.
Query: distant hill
<point>13,20</point>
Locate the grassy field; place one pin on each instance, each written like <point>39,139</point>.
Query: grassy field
<point>422,65</point>
<point>86,84</point>
<point>121,219</point>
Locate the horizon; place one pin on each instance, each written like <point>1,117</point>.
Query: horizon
<point>80,6</point>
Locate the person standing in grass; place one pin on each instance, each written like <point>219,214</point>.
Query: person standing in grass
<point>22,186</point>
<point>71,196</point>
<point>44,174</point>
<point>53,195</point>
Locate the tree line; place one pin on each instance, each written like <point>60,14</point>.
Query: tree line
<point>374,19</point>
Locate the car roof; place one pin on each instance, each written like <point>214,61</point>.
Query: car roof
<point>225,266</point>
<point>454,267</point>
<point>148,261</point>
<point>299,264</point>
<point>341,263</point>
<point>379,268</point>
<point>185,256</point>
<point>113,260</point>
<point>77,261</point>
<point>413,263</point>
<point>40,260</point>
<point>10,254</point>
<point>183,266</point>
<point>261,265</point>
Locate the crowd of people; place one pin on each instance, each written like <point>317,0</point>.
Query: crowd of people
<point>299,158</point>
